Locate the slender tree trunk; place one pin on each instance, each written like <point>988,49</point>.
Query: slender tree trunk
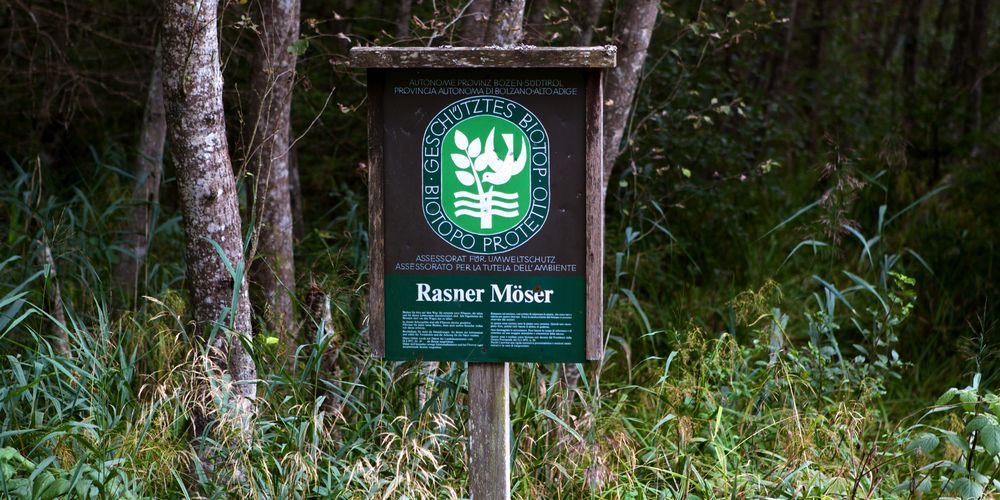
<point>404,15</point>
<point>192,88</point>
<point>893,40</point>
<point>960,44</point>
<point>506,23</point>
<point>873,23</point>
<point>146,192</point>
<point>786,54</point>
<point>53,301</point>
<point>814,64</point>
<point>977,49</point>
<point>911,34</point>
<point>472,25</point>
<point>534,23</point>
<point>590,15</point>
<point>295,188</point>
<point>632,32</point>
<point>271,81</point>
<point>343,24</point>
<point>321,320</point>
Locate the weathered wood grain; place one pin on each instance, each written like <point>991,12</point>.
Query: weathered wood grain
<point>595,217</point>
<point>522,56</point>
<point>489,431</point>
<point>376,207</point>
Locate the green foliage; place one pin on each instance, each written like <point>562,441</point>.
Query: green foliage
<point>968,464</point>
<point>795,254</point>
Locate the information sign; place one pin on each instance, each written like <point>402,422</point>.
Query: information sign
<point>486,208</point>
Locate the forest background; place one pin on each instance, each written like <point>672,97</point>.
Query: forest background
<point>800,255</point>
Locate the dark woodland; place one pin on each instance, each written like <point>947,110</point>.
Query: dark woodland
<point>800,245</point>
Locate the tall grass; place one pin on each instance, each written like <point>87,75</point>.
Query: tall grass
<point>782,389</point>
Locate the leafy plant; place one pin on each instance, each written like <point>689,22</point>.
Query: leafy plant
<point>961,456</point>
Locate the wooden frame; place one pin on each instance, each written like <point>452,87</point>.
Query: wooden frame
<point>376,206</point>
<point>595,216</point>
<point>484,57</point>
<point>592,59</point>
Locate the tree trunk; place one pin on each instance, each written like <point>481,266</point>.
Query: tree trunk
<point>295,188</point>
<point>53,301</point>
<point>911,34</point>
<point>271,81</point>
<point>633,31</point>
<point>403,17</point>
<point>911,37</point>
<point>814,63</point>
<point>786,53</point>
<point>319,328</point>
<point>960,44</point>
<point>472,25</point>
<point>590,15</point>
<point>534,24</point>
<point>146,192</point>
<point>977,49</point>
<point>343,24</point>
<point>192,88</point>
<point>505,25</point>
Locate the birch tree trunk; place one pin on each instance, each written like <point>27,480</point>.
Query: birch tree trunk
<point>192,87</point>
<point>271,81</point>
<point>590,15</point>
<point>632,34</point>
<point>54,302</point>
<point>505,26</point>
<point>472,25</point>
<point>146,192</point>
<point>534,22</point>
<point>403,16</point>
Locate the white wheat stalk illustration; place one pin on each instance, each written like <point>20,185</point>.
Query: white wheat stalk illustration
<point>486,203</point>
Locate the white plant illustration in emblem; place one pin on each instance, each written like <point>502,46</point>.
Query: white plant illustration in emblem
<point>487,201</point>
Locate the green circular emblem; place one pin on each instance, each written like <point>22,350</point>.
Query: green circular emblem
<point>485,172</point>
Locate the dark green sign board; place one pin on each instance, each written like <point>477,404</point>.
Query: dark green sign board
<point>485,242</point>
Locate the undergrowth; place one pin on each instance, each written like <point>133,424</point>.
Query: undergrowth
<point>785,389</point>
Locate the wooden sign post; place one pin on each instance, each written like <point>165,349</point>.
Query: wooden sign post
<point>486,218</point>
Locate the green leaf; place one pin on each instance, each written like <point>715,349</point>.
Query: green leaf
<point>965,488</point>
<point>793,217</point>
<point>946,397</point>
<point>989,437</point>
<point>969,398</point>
<point>638,308</point>
<point>298,47</point>
<point>811,243</point>
<point>924,486</point>
<point>923,444</point>
<point>979,422</point>
<point>686,172</point>
<point>957,441</point>
<point>918,201</point>
<point>552,416</point>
